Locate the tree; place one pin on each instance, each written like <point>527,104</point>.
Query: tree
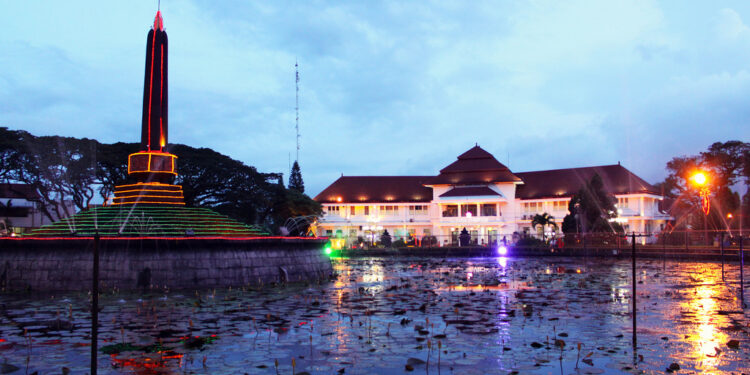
<point>727,164</point>
<point>10,153</point>
<point>590,209</point>
<point>295,179</point>
<point>385,238</point>
<point>112,166</point>
<point>71,169</point>
<point>543,220</point>
<point>464,238</point>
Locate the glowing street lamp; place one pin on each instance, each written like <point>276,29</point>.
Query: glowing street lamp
<point>700,180</point>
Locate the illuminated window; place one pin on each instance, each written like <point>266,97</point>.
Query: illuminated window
<point>469,210</point>
<point>352,210</point>
<point>333,210</point>
<point>450,210</point>
<point>560,206</point>
<point>417,210</point>
<point>489,209</point>
<point>361,210</point>
<point>389,210</point>
<point>623,202</point>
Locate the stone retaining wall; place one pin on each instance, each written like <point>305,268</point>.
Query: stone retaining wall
<point>67,264</point>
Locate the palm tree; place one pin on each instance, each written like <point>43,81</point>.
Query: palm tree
<point>543,220</point>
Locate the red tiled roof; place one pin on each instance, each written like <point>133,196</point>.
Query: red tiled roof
<point>475,166</point>
<point>469,191</point>
<point>566,182</point>
<point>18,191</point>
<point>376,189</point>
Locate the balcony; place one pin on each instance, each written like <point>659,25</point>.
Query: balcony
<point>471,219</point>
<point>384,219</point>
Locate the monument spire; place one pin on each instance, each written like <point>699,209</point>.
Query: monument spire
<point>153,167</point>
<point>154,128</point>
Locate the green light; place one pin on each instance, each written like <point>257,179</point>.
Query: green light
<point>327,249</point>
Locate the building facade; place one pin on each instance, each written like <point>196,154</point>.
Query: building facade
<point>480,194</point>
<point>20,209</point>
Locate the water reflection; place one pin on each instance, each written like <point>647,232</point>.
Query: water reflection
<point>378,313</point>
<point>702,311</point>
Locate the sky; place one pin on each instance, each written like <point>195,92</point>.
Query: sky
<point>391,87</point>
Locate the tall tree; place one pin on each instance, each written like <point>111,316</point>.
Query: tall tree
<point>590,209</point>
<point>71,169</point>
<point>112,166</point>
<point>295,179</point>
<point>728,167</point>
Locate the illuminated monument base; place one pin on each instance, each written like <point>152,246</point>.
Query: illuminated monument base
<point>154,171</point>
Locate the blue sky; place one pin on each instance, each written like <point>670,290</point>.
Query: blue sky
<point>392,88</point>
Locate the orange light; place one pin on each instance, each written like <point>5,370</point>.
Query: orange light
<point>147,183</point>
<point>729,215</point>
<point>699,178</point>
<point>338,199</point>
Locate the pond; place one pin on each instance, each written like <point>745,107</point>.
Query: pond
<point>398,315</point>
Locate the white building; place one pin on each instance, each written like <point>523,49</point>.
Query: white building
<point>19,208</point>
<point>478,193</point>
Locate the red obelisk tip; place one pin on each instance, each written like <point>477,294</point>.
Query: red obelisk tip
<point>158,21</point>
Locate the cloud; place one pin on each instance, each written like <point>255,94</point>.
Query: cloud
<point>730,25</point>
<point>391,87</point>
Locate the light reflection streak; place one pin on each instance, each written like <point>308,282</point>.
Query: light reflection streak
<point>707,336</point>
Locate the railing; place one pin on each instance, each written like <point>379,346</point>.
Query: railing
<point>692,241</point>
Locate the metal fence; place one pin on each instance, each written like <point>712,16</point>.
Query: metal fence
<point>691,241</point>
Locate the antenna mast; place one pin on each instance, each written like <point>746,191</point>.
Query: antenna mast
<point>296,105</point>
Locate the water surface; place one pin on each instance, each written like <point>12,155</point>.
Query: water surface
<point>396,315</point>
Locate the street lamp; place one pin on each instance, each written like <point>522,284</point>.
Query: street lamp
<point>700,180</point>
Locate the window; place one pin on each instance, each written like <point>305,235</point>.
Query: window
<point>352,210</point>
<point>333,210</point>
<point>532,207</point>
<point>489,210</point>
<point>622,202</point>
<point>389,210</point>
<point>450,210</point>
<point>560,206</point>
<point>469,210</point>
<point>360,210</point>
<point>417,210</point>
<point>427,231</point>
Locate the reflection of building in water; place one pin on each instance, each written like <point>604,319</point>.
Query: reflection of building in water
<point>478,193</point>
